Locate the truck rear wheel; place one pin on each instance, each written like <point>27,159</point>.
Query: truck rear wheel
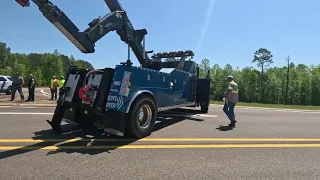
<point>142,117</point>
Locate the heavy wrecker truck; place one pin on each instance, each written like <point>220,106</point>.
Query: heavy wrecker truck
<point>125,100</point>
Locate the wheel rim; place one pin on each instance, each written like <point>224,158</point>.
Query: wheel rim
<point>144,116</point>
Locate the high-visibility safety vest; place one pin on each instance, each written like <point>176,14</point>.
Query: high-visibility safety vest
<point>61,83</point>
<point>233,87</point>
<point>234,91</point>
<point>54,83</point>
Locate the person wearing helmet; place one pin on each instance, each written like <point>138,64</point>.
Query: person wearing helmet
<point>54,84</point>
<point>231,100</point>
<point>61,83</point>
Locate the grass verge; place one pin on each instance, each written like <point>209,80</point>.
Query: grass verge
<point>301,107</point>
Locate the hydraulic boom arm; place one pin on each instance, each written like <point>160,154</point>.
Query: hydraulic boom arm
<point>85,41</point>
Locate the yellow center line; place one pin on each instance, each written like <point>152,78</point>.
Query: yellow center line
<point>185,146</point>
<point>166,140</point>
<point>226,139</point>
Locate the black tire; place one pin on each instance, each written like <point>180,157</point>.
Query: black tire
<point>204,107</point>
<point>9,90</point>
<point>139,129</point>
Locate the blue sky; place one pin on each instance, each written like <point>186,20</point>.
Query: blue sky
<point>224,31</point>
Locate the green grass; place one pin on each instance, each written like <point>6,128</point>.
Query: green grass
<point>272,105</point>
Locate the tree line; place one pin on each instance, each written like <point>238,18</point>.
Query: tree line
<point>295,84</point>
<point>42,66</point>
<point>291,84</point>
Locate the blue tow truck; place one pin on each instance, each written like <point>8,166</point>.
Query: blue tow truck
<point>124,100</point>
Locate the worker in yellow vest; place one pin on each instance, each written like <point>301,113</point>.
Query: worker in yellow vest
<point>61,83</point>
<point>54,84</point>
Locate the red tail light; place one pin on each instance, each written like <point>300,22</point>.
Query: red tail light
<point>23,3</point>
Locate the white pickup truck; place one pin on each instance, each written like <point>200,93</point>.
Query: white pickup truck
<point>5,84</point>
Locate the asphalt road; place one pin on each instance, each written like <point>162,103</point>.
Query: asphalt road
<point>265,144</point>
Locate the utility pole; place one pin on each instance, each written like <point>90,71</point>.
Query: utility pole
<point>287,86</point>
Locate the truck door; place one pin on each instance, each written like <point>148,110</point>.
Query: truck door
<point>165,90</point>
<point>177,90</point>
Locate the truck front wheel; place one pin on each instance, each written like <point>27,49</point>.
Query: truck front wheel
<point>142,117</point>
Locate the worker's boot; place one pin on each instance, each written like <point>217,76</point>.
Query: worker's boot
<point>233,123</point>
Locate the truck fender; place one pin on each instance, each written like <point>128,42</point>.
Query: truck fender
<point>138,94</point>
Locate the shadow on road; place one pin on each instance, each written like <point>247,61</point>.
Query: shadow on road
<point>110,142</point>
<point>44,135</point>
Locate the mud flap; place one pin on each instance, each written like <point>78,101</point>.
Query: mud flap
<point>203,91</point>
<point>115,123</point>
<point>86,121</point>
<point>192,89</point>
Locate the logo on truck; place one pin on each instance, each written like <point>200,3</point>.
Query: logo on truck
<point>114,102</point>
<point>124,89</point>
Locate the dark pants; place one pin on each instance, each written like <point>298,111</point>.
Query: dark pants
<point>31,94</point>
<point>54,93</point>
<point>14,90</point>
<point>60,91</point>
<point>228,108</point>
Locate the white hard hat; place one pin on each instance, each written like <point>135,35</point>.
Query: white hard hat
<point>229,77</point>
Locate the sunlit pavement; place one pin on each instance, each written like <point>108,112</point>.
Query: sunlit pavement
<point>265,144</point>
<point>40,94</point>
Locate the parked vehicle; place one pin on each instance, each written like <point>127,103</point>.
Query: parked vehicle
<point>5,84</point>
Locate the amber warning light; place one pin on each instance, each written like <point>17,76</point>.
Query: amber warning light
<point>23,3</point>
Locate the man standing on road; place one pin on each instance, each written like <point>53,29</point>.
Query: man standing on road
<point>17,83</point>
<point>54,84</point>
<point>230,100</point>
<point>31,87</point>
<point>61,83</point>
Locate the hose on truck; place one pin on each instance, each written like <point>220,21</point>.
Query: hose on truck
<point>85,93</point>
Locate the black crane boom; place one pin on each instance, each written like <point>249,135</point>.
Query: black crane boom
<point>85,41</point>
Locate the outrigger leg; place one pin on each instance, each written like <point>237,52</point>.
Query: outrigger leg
<point>56,119</point>
<point>58,114</point>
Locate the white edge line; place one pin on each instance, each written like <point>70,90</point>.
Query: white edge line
<point>24,113</point>
<point>44,93</point>
<point>272,109</point>
<point>195,115</point>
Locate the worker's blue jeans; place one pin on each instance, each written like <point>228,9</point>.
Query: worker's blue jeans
<point>228,108</point>
<point>14,90</point>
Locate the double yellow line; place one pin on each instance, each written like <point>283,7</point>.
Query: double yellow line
<point>166,140</point>
<point>250,143</point>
